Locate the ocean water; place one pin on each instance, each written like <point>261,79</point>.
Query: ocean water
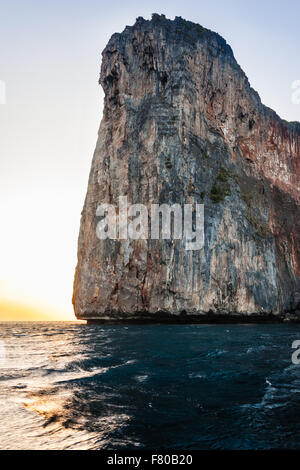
<point>73,386</point>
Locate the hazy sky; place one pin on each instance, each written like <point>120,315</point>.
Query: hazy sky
<point>50,56</point>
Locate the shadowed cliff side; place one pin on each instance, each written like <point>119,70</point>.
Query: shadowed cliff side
<point>180,124</point>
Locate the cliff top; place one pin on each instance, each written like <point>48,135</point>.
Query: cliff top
<point>187,32</point>
<point>179,29</point>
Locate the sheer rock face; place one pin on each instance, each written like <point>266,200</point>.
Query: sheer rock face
<point>180,124</point>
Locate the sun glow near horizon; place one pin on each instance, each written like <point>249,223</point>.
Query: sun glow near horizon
<point>16,311</point>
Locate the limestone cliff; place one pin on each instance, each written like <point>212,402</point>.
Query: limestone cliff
<point>182,123</point>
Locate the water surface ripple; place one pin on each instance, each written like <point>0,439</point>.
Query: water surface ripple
<point>72,386</point>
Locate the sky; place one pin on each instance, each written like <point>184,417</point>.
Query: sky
<point>50,111</point>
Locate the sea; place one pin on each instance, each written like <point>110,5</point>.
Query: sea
<point>67,385</point>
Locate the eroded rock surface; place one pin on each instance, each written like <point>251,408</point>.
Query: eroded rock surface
<point>181,123</point>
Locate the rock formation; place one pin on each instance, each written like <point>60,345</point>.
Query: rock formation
<point>181,123</point>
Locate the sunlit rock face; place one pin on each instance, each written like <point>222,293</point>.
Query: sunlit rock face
<point>180,124</point>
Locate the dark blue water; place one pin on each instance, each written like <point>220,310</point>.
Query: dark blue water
<point>72,386</point>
